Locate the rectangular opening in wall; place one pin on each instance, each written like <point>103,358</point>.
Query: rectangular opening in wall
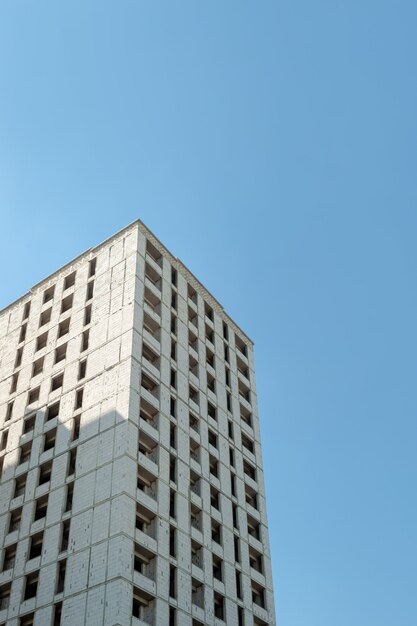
<point>194,423</point>
<point>251,496</point>
<point>72,459</point>
<point>197,592</point>
<point>144,561</point>
<point>33,396</point>
<point>256,560</point>
<point>245,416</point>
<point>173,378</point>
<point>148,413</point>
<point>150,385</point>
<point>152,300</point>
<point>82,369</point>
<point>25,452</point>
<point>57,382</point>
<point>41,507</point>
<point>41,341</point>
<point>61,353</point>
<point>244,391</point>
<point>173,324</point>
<point>143,606</point>
<point>92,264</point>
<point>69,280</point>
<point>209,334</point>
<point>173,350</point>
<point>15,519</point>
<point>49,439</point>
<point>172,542</point>
<point>5,596</point>
<point>52,411</point>
<point>9,411</point>
<point>85,340</point>
<point>242,367</point>
<point>211,383</point>
<point>216,531</point>
<point>66,303</point>
<point>154,253</point>
<point>90,290</point>
<point>147,482</point>
<point>173,469</point>
<point>37,366</point>
<point>195,483</point>
<point>196,517</point>
<point>9,557</point>
<point>45,317</point>
<point>193,365</point>
<point>48,294</point>
<point>63,327</point>
<point>20,485</point>
<point>193,394</point>
<point>76,428</point>
<point>241,346</point>
<point>212,438</point>
<point>254,528</point>
<point>45,471</point>
<point>214,466</point>
<point>57,614</point>
<point>196,554</point>
<point>210,357</point>
<point>151,326</point>
<point>258,594</point>
<point>214,498</point>
<point>13,384</point>
<point>79,395</point>
<point>60,579</point>
<point>192,316</point>
<point>217,567</point>
<point>194,450</point>
<point>172,581</point>
<point>26,311</point>
<point>148,446</point>
<point>150,355</point>
<point>211,411</point>
<point>3,439</point>
<point>208,311</point>
<point>87,314</point>
<point>192,294</point>
<point>22,335</point>
<point>219,606</point>
<point>36,542</point>
<point>145,520</point>
<point>249,470</point>
<point>18,360</point>
<point>193,341</point>
<point>172,504</point>
<point>152,275</point>
<point>69,497</point>
<point>248,443</point>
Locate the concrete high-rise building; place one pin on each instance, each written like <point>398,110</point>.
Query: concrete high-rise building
<point>132,487</point>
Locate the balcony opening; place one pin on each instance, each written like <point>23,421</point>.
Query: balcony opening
<point>144,562</point>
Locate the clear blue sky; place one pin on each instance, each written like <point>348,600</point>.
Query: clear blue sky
<point>272,146</point>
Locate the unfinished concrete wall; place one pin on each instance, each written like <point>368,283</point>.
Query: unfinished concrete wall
<point>132,483</point>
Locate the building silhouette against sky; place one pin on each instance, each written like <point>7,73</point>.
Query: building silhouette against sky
<point>132,486</point>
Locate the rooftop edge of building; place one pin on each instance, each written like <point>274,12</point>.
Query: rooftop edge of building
<point>138,222</point>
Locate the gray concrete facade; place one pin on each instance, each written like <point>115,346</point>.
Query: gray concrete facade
<point>132,487</point>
